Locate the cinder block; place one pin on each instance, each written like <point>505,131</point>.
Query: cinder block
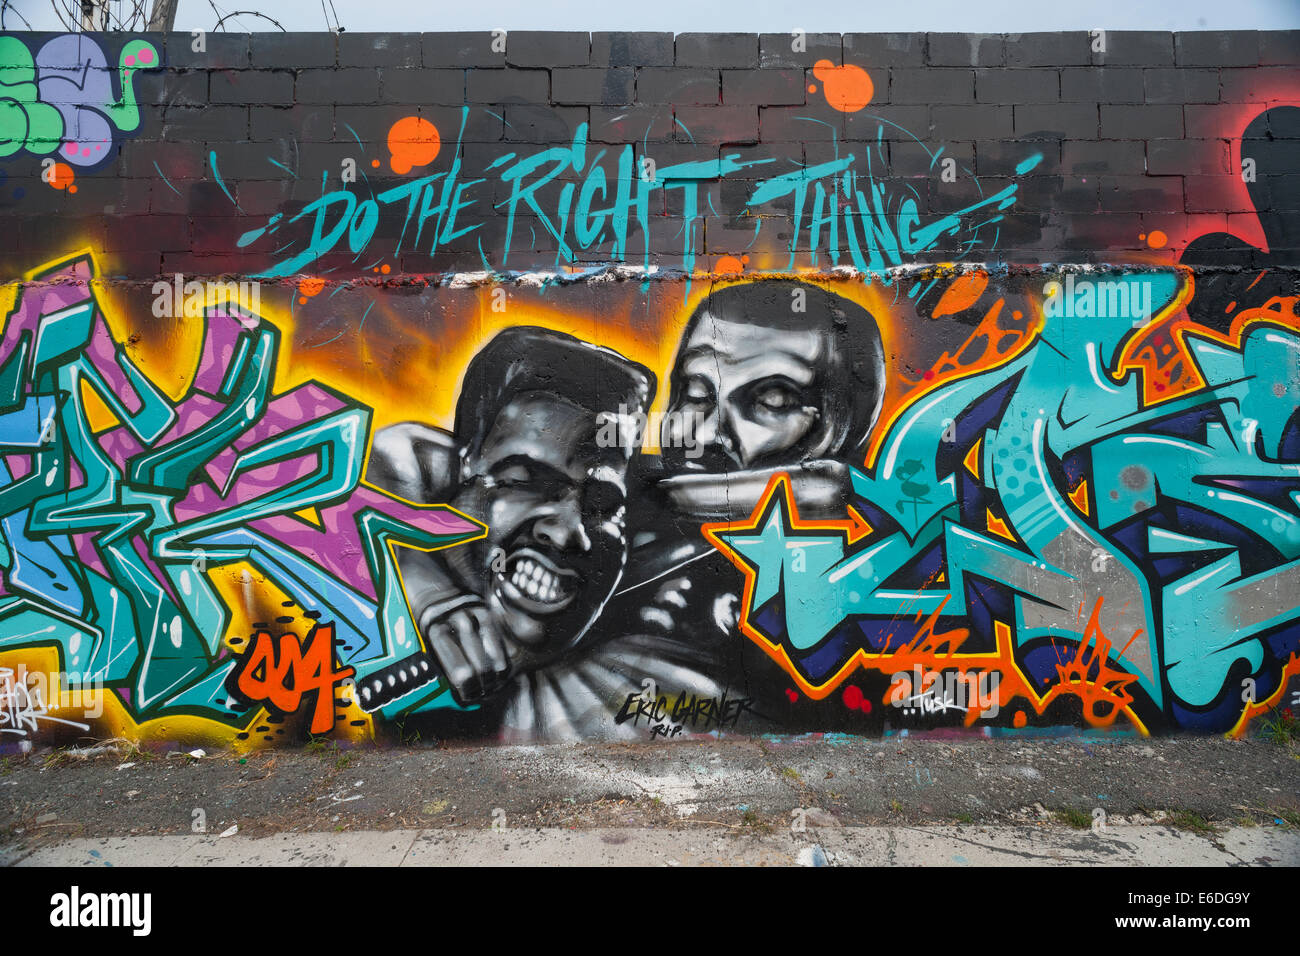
<point>1279,194</point>
<point>171,88</point>
<point>931,85</point>
<point>1102,84</point>
<point>764,87</point>
<point>292,51</point>
<point>787,124</point>
<point>888,122</point>
<point>508,86</point>
<point>242,160</point>
<point>252,86</point>
<point>1064,121</point>
<point>307,124</point>
<point>777,50</point>
<point>174,197</point>
<point>448,50</point>
<point>965,49</point>
<point>1141,122</point>
<point>1217,48</point>
<point>884,49</point>
<point>1119,157</point>
<point>1017,86</point>
<point>632,49</point>
<point>1217,194</point>
<point>1213,121</point>
<point>909,159</point>
<point>370,124</point>
<point>1143,194</point>
<point>1001,157</point>
<point>200,124</point>
<point>546,48</point>
<point>1259,84</point>
<point>1073,48</point>
<point>716,124</point>
<point>221,51</point>
<point>1172,157</point>
<point>1136,48</point>
<point>972,122</point>
<point>681,87</point>
<point>1279,48</point>
<point>180,160</point>
<point>631,124</point>
<point>421,86</point>
<point>538,123</point>
<point>481,124</point>
<point>721,50</point>
<point>1181,85</point>
<point>358,85</point>
<point>596,86</point>
<point>765,160</point>
<point>262,197</point>
<point>666,155</point>
<point>392,50</point>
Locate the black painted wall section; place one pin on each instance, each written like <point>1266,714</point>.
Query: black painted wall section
<point>1140,138</point>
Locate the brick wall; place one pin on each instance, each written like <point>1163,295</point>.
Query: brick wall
<point>1140,137</point>
<point>358,431</point>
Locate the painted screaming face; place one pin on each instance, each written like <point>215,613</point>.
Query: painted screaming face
<point>554,503</point>
<point>755,397</point>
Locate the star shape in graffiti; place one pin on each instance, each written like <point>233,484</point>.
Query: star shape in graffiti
<point>773,548</point>
<point>782,557</point>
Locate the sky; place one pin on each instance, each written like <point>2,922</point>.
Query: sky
<point>692,16</point>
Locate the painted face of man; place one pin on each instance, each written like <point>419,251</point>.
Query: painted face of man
<point>754,396</point>
<point>554,502</point>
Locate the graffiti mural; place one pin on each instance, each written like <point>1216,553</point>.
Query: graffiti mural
<point>61,100</point>
<point>517,422</point>
<point>879,226</point>
<point>798,546</point>
<point>120,502</point>
<point>1138,556</point>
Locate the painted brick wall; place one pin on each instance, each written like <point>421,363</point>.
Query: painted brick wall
<point>968,368</point>
<point>1142,138</point>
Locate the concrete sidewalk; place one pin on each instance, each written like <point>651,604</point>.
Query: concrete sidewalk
<point>1002,800</point>
<point>704,845</point>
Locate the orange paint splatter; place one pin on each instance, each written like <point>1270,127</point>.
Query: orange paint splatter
<point>413,141</point>
<point>62,177</point>
<point>1089,676</point>
<point>309,286</point>
<point>847,88</point>
<point>385,268</point>
<point>374,163</point>
<point>730,265</point>
<point>1157,239</point>
<point>963,293</point>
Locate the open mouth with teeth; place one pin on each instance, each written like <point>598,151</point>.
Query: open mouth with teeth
<point>535,584</point>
